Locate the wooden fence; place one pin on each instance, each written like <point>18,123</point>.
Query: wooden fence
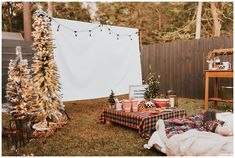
<point>181,64</point>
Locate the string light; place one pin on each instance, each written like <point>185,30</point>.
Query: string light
<point>109,31</point>
<point>90,32</point>
<point>50,19</point>
<point>100,27</point>
<point>75,32</point>
<point>58,28</point>
<point>117,36</point>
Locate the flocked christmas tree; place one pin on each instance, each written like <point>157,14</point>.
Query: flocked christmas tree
<point>45,75</point>
<point>153,87</point>
<point>20,94</point>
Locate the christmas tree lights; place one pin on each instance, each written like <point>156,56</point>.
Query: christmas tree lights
<point>20,93</point>
<point>153,88</point>
<point>45,73</point>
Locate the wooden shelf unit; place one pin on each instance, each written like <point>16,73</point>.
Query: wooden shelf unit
<point>215,74</point>
<point>220,99</point>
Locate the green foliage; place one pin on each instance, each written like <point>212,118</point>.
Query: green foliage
<point>165,21</point>
<point>111,98</point>
<point>12,16</point>
<point>153,87</point>
<point>157,21</point>
<point>225,15</point>
<point>12,12</point>
<point>71,10</point>
<point>68,10</point>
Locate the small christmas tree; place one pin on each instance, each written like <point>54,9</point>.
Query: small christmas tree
<point>45,73</point>
<point>153,87</point>
<point>20,94</point>
<point>111,98</point>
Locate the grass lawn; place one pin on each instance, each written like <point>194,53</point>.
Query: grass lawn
<point>84,135</point>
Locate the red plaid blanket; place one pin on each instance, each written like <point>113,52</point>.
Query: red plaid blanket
<point>143,121</point>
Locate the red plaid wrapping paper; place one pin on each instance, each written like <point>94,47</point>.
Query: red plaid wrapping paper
<point>140,120</point>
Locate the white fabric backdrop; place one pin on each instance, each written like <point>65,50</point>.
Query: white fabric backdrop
<point>89,67</point>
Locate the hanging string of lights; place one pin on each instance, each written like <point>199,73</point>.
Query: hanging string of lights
<point>89,31</point>
<point>99,27</point>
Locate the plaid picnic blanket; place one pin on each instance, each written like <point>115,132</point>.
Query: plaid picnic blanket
<point>145,122</point>
<point>181,125</point>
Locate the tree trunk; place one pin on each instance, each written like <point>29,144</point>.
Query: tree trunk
<point>50,9</point>
<point>10,16</point>
<point>216,24</point>
<point>27,21</point>
<point>159,20</point>
<point>198,20</point>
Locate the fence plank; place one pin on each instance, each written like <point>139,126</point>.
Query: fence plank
<point>177,67</point>
<point>182,59</point>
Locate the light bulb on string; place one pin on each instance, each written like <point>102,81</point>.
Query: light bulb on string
<point>75,33</point>
<point>100,27</point>
<point>58,27</point>
<point>50,19</point>
<point>117,36</point>
<point>90,33</point>
<point>109,31</point>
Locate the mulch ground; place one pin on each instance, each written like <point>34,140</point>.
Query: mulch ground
<point>84,135</point>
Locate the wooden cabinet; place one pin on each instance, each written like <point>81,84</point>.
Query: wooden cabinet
<point>215,74</point>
